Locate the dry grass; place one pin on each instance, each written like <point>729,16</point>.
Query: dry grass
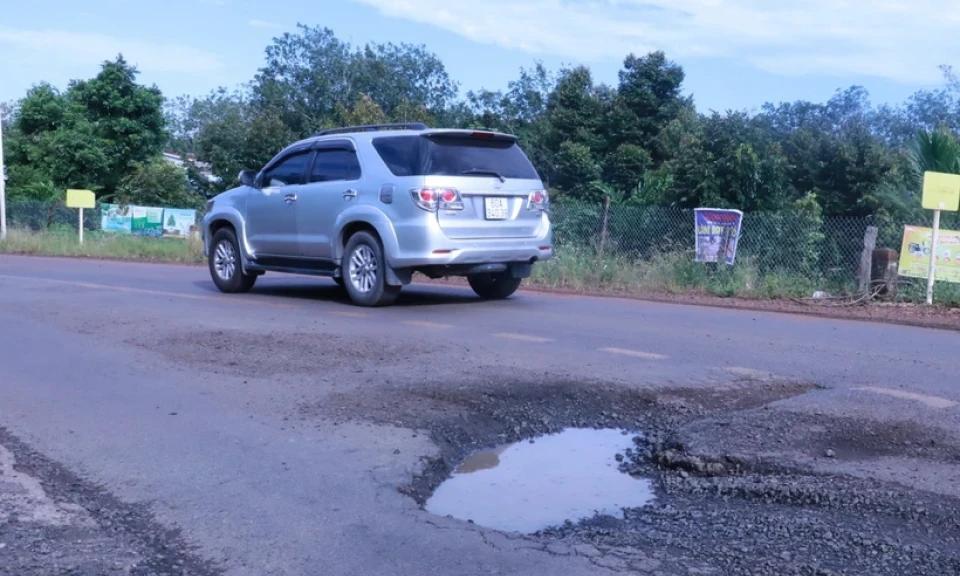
<point>64,242</point>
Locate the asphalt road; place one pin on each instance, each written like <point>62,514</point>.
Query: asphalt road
<point>234,418</point>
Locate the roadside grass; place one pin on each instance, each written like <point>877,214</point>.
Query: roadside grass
<point>672,272</point>
<point>63,241</point>
<point>573,268</point>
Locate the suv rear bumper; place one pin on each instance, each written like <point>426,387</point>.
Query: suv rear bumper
<point>431,247</point>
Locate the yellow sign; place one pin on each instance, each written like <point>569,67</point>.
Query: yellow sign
<point>915,254</point>
<point>81,199</point>
<point>941,191</point>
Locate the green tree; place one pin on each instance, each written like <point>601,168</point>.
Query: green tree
<point>577,172</point>
<point>362,112</point>
<point>311,77</point>
<point>625,168</point>
<point>157,182</point>
<point>125,116</point>
<point>648,98</point>
<point>575,111</point>
<point>90,136</point>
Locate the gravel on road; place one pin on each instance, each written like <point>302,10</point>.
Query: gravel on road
<point>53,522</point>
<point>725,506</point>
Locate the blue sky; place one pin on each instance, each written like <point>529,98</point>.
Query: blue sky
<point>737,53</point>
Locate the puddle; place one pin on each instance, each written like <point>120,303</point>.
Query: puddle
<point>528,487</point>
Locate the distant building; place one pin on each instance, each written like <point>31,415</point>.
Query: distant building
<point>203,168</point>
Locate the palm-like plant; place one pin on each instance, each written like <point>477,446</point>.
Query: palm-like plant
<point>934,151</point>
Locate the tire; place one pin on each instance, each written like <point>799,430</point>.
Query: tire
<point>363,272</point>
<point>224,262</point>
<point>496,286</point>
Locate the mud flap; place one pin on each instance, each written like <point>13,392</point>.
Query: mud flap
<point>398,277</point>
<point>521,270</point>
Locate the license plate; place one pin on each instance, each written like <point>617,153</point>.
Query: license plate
<point>497,208</point>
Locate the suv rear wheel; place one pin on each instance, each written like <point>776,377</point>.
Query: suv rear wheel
<point>495,286</point>
<point>363,272</point>
<point>224,262</point>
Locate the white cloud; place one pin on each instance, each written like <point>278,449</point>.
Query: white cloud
<point>264,24</point>
<point>84,48</point>
<point>902,40</point>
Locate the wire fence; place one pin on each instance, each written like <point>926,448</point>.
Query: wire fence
<point>805,251</point>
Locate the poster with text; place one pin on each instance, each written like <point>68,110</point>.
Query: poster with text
<point>115,218</point>
<point>716,227</point>
<point>146,221</point>
<point>177,222</point>
<point>915,254</point>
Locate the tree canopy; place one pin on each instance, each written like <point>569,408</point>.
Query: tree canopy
<point>640,141</point>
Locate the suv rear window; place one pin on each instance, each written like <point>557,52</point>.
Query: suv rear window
<point>452,156</point>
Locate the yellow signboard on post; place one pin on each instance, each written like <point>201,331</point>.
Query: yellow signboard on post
<point>941,191</point>
<point>917,248</point>
<point>81,199</point>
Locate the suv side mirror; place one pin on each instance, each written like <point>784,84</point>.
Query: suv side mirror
<point>248,178</point>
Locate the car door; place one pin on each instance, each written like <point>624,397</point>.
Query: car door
<point>333,184</point>
<point>271,221</point>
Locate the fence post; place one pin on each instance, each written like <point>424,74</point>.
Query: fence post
<point>603,229</point>
<point>866,259</point>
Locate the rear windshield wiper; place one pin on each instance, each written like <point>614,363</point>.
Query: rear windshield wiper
<point>487,172</point>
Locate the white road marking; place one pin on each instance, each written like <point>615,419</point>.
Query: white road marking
<point>635,353</point>
<point>523,337</point>
<point>425,324</point>
<point>931,401</point>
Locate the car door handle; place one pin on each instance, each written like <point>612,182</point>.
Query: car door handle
<point>350,194</point>
<point>290,198</point>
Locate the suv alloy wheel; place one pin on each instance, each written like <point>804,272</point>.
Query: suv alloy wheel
<point>225,267</point>
<point>363,272</point>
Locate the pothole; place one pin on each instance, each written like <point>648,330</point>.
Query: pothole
<point>542,483</point>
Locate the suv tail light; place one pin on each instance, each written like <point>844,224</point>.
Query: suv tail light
<point>538,200</point>
<point>433,199</point>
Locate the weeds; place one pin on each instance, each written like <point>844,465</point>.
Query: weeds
<point>63,241</point>
<point>671,272</point>
<point>577,268</point>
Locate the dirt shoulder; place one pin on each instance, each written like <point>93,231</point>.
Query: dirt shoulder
<point>940,317</point>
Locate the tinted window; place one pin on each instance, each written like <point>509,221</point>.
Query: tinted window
<point>335,165</point>
<point>288,171</point>
<point>446,156</point>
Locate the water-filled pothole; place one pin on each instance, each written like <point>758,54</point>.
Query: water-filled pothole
<point>527,487</point>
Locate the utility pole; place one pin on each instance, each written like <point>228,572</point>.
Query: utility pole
<point>3,186</point>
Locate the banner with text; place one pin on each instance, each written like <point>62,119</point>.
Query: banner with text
<point>915,254</point>
<point>717,228</point>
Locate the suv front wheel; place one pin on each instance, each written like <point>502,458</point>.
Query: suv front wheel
<point>364,269</point>
<point>224,262</point>
<point>494,286</point>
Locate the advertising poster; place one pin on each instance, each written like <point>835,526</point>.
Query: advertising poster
<point>146,221</point>
<point>717,228</point>
<point>915,254</point>
<point>115,218</point>
<point>178,222</point>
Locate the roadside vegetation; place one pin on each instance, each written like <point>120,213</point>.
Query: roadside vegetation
<point>63,241</point>
<point>580,269</point>
<point>624,162</point>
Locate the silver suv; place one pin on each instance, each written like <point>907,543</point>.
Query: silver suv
<point>370,205</point>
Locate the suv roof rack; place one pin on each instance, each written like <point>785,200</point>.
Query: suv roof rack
<point>373,127</point>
